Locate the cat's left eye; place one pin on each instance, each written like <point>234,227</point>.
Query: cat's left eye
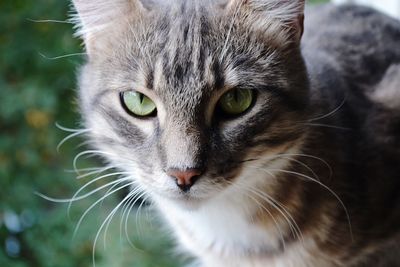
<point>236,101</point>
<point>138,104</point>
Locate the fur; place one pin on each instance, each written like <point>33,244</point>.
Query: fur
<point>307,177</point>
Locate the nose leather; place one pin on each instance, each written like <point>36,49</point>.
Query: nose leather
<point>184,178</point>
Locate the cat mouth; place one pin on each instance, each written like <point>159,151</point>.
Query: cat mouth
<point>189,198</point>
<point>186,197</point>
<point>188,201</point>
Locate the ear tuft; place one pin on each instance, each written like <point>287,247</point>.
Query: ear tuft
<point>94,17</point>
<point>288,13</point>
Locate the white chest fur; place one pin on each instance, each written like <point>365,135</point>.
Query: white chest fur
<point>221,226</point>
<point>224,231</point>
<point>222,234</point>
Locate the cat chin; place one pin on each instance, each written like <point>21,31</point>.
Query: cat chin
<point>189,204</point>
<point>186,202</point>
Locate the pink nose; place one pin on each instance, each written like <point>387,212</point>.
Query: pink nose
<point>184,178</point>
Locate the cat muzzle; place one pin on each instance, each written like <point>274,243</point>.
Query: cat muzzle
<point>184,179</point>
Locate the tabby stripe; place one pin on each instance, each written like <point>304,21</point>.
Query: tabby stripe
<point>124,128</point>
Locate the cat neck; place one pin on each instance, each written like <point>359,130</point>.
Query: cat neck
<point>235,226</point>
<point>227,231</point>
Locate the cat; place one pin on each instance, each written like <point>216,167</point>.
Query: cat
<point>390,7</point>
<point>263,140</point>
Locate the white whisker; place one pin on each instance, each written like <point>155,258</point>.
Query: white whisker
<point>98,171</point>
<point>322,185</point>
<point>126,200</point>
<point>70,136</point>
<point>62,56</point>
<point>97,202</point>
<point>311,157</point>
<point>86,170</point>
<point>125,209</point>
<point>330,113</point>
<point>127,217</point>
<point>70,130</point>
<point>108,218</point>
<point>304,165</point>
<point>328,126</point>
<point>260,205</point>
<point>295,229</point>
<point>75,196</point>
<point>138,222</point>
<point>49,21</point>
<point>91,153</point>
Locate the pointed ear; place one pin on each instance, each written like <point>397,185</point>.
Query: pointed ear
<point>96,17</point>
<point>288,13</point>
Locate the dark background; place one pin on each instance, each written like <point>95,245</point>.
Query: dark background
<point>38,90</point>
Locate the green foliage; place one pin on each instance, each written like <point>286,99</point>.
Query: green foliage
<point>35,93</point>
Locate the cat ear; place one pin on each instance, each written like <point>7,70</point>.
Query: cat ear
<point>289,14</point>
<point>94,17</point>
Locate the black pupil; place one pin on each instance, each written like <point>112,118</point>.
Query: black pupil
<point>236,95</point>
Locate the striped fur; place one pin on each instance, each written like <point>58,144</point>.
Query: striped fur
<point>296,180</point>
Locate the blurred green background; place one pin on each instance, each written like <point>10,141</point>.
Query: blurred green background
<point>37,89</point>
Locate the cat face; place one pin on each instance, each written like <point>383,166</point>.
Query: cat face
<point>191,99</point>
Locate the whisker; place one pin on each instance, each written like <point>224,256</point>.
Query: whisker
<point>304,165</point>
<point>62,56</point>
<point>70,130</point>
<point>127,218</point>
<point>148,218</point>
<point>85,170</point>
<point>325,187</point>
<point>49,21</point>
<point>311,157</point>
<point>108,218</point>
<point>91,153</point>
<point>114,186</point>
<point>295,229</point>
<point>328,126</point>
<point>137,221</point>
<point>98,171</point>
<point>97,202</point>
<point>73,199</point>
<point>84,143</point>
<point>260,205</point>
<point>125,201</point>
<point>330,113</point>
<point>125,209</point>
<point>118,181</point>
<point>70,136</point>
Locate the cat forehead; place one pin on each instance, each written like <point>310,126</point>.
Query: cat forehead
<point>196,48</point>
<point>189,52</point>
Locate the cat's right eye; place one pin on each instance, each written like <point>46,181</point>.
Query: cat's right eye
<point>138,104</point>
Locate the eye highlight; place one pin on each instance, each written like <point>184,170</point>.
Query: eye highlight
<point>138,104</point>
<point>236,101</point>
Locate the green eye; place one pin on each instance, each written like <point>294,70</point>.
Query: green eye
<point>236,101</point>
<point>138,104</point>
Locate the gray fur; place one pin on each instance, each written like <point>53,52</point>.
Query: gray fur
<point>321,96</point>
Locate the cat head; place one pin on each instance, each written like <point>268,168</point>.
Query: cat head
<point>192,99</point>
